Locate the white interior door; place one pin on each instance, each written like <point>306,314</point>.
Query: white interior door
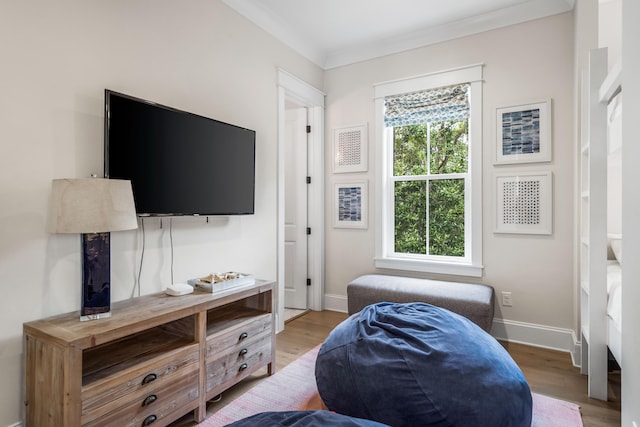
<point>295,209</point>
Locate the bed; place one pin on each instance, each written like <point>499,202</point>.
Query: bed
<point>600,227</point>
<point>614,306</point>
<point>614,220</point>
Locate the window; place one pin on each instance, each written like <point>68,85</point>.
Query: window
<point>429,152</point>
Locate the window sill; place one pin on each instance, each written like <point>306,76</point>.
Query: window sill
<point>455,269</point>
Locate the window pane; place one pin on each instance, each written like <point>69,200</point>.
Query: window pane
<point>411,217</point>
<point>449,147</point>
<point>410,150</point>
<point>446,217</point>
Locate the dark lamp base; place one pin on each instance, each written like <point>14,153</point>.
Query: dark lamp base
<point>96,276</point>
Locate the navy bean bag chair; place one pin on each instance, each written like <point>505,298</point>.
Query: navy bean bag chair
<point>419,365</point>
<point>303,419</point>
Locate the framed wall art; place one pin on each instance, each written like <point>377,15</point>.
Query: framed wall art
<point>524,203</point>
<point>350,205</point>
<point>523,133</point>
<point>350,149</point>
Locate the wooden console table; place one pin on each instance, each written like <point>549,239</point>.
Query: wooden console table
<point>156,359</point>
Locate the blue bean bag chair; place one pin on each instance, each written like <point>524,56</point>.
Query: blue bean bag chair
<point>419,365</point>
<point>303,419</point>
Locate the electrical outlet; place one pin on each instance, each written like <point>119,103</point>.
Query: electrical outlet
<point>507,301</point>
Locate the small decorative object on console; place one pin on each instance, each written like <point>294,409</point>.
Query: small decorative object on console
<point>222,281</point>
<point>178,289</point>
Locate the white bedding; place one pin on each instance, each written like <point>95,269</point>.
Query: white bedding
<point>614,302</point>
<point>614,305</point>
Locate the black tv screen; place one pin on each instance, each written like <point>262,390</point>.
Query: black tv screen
<point>179,163</point>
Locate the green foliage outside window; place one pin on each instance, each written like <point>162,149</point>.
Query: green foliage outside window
<point>411,217</point>
<point>427,150</point>
<point>446,217</point>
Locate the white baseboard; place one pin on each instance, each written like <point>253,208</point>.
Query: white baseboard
<point>507,330</point>
<point>538,336</point>
<point>19,424</point>
<point>334,302</point>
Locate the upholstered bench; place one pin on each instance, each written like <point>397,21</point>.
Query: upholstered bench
<point>473,301</point>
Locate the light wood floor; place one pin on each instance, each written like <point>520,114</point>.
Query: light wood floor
<point>551,373</point>
<point>548,372</point>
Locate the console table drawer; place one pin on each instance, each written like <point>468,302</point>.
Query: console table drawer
<point>238,337</point>
<point>156,407</point>
<point>135,384</point>
<point>241,362</point>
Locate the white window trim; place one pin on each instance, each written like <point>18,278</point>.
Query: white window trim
<point>385,258</point>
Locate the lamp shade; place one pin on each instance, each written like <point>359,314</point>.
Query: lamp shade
<point>92,205</point>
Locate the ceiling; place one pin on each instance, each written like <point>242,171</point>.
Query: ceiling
<point>332,33</point>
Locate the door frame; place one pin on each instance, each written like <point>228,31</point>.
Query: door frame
<point>291,87</point>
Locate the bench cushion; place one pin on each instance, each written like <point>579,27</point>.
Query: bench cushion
<point>473,301</point>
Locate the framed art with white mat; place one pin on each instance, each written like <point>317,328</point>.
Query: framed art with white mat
<point>350,149</point>
<point>350,204</point>
<point>524,203</point>
<point>523,133</point>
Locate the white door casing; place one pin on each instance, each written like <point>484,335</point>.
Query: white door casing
<point>293,89</point>
<point>295,209</point>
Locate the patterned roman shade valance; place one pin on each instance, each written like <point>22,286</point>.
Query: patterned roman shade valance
<point>434,105</point>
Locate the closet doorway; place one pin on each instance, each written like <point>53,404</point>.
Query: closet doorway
<point>295,98</point>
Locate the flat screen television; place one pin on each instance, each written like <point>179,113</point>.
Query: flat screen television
<point>179,163</point>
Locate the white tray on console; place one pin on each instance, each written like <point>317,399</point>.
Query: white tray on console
<point>242,279</point>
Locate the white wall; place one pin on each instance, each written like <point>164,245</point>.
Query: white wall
<point>610,29</point>
<point>57,59</point>
<point>523,63</point>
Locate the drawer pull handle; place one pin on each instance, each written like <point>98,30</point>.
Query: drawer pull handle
<point>149,420</point>
<point>243,336</point>
<point>149,400</point>
<point>243,352</point>
<point>243,367</point>
<point>149,378</point>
